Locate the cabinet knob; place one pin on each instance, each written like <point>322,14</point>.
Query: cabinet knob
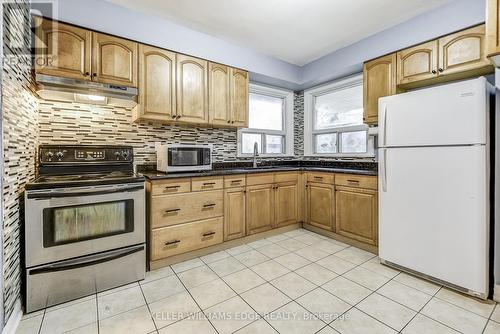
<point>174,116</point>
<point>94,75</point>
<point>86,74</point>
<point>434,72</point>
<point>440,70</point>
<point>178,116</point>
<point>228,122</point>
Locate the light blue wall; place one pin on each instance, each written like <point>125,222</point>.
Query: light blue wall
<point>446,19</point>
<point>104,16</point>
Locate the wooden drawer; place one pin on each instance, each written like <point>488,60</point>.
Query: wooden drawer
<point>173,240</point>
<point>206,183</point>
<point>356,181</point>
<point>170,186</point>
<point>182,208</point>
<point>286,177</point>
<point>235,181</point>
<point>264,178</point>
<point>328,178</point>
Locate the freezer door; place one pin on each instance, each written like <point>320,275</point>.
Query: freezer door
<point>452,114</point>
<point>433,215</point>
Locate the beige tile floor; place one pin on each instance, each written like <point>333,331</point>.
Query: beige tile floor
<point>295,282</point>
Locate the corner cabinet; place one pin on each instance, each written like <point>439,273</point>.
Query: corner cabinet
<point>192,90</point>
<point>379,79</point>
<point>62,50</point>
<point>157,84</point>
<point>114,60</point>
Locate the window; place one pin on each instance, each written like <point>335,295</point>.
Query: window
<point>333,120</point>
<point>270,123</point>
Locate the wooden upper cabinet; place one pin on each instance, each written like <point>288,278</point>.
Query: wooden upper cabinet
<point>114,60</point>
<point>62,50</point>
<point>492,28</point>
<point>463,51</point>
<point>321,205</point>
<point>286,204</point>
<point>219,109</point>
<point>234,213</point>
<point>260,208</point>
<point>379,79</point>
<point>239,97</point>
<point>417,63</point>
<point>356,214</point>
<point>156,84</point>
<point>192,89</point>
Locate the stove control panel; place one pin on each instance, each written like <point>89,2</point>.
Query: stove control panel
<point>52,154</point>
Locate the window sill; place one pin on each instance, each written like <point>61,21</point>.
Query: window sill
<point>266,156</point>
<point>341,156</point>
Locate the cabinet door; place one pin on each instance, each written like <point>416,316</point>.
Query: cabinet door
<point>156,83</point>
<point>234,213</point>
<point>417,63</point>
<point>114,60</point>
<point>192,90</point>
<point>62,50</point>
<point>463,51</point>
<point>379,79</point>
<point>321,205</point>
<point>239,97</point>
<point>492,28</point>
<point>219,111</point>
<point>357,214</point>
<point>260,208</point>
<point>286,206</point>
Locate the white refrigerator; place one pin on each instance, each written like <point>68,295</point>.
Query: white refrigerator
<point>434,184</point>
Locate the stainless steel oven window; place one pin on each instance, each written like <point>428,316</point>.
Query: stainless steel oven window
<point>69,224</point>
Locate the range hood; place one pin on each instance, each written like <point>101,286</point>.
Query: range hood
<point>72,90</point>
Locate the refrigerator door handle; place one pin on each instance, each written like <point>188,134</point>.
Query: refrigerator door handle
<point>385,126</point>
<point>383,169</point>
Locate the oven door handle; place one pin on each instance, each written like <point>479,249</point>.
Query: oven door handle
<point>86,261</point>
<point>45,195</point>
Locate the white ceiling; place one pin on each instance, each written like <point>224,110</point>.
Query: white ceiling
<point>296,31</point>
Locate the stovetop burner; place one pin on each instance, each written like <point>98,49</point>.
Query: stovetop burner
<point>83,165</point>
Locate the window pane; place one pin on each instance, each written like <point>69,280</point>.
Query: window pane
<point>248,140</point>
<point>266,112</point>
<point>354,142</point>
<point>339,108</point>
<point>326,143</point>
<point>274,144</point>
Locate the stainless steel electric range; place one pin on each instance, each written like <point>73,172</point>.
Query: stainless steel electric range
<point>84,224</point>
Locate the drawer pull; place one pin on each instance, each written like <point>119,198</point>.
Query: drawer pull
<point>208,234</point>
<point>172,187</point>
<point>318,177</point>
<point>172,210</point>
<point>173,242</point>
<point>208,184</point>
<point>353,181</point>
<point>208,205</point>
<point>236,181</point>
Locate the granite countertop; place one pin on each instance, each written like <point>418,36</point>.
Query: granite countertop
<point>156,175</point>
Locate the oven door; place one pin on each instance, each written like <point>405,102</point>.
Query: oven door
<point>71,222</point>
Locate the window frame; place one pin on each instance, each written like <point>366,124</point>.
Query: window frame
<point>288,116</point>
<point>310,133</point>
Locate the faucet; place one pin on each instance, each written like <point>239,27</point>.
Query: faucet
<point>255,154</point>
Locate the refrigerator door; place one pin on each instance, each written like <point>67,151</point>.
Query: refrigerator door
<point>433,216</point>
<point>452,114</point>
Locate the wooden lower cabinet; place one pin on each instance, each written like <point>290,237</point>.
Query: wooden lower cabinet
<point>286,204</point>
<point>321,205</point>
<point>173,240</point>
<point>357,214</point>
<point>234,213</point>
<point>259,208</point>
